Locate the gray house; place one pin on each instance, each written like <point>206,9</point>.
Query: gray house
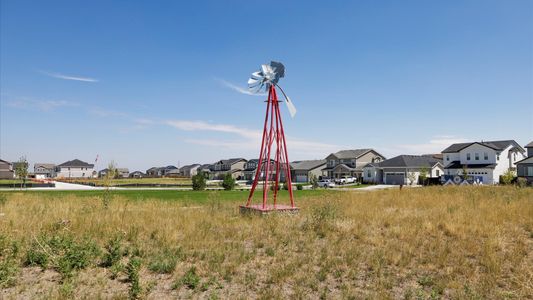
<point>121,172</point>
<point>524,168</point>
<point>6,170</point>
<point>161,171</point>
<point>403,169</point>
<point>250,169</point>
<point>136,174</point>
<point>302,171</point>
<point>233,166</point>
<point>44,170</point>
<point>350,162</point>
<point>189,170</point>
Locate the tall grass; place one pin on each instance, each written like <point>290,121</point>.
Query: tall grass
<point>449,242</point>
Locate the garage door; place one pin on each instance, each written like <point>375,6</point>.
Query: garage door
<point>395,178</point>
<point>301,178</point>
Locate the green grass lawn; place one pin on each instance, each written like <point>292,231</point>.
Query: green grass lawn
<point>173,195</point>
<point>352,186</point>
<point>12,181</point>
<point>122,181</point>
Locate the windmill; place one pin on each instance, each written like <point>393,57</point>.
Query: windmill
<point>273,156</point>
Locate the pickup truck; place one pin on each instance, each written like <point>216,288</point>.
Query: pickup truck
<point>345,180</point>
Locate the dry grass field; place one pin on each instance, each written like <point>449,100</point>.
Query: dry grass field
<point>420,243</point>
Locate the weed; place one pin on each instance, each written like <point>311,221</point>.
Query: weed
<point>113,252</point>
<point>190,279</point>
<point>165,261</point>
<point>132,270</point>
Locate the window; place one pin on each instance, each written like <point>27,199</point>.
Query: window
<point>477,156</point>
<point>447,157</point>
<point>437,172</point>
<point>486,156</point>
<point>497,156</point>
<point>529,171</point>
<point>468,156</point>
<point>368,174</point>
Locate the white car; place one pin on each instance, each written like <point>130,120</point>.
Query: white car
<point>326,183</point>
<point>345,180</point>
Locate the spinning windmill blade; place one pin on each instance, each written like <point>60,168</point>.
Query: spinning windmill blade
<point>270,75</point>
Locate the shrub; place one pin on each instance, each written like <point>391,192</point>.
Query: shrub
<point>228,183</point>
<point>113,252</point>
<point>190,279</point>
<point>521,182</point>
<point>507,177</point>
<point>198,182</point>
<point>165,261</point>
<point>132,270</point>
<point>299,187</point>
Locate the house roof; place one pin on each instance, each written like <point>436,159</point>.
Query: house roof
<point>135,172</point>
<point>496,145</point>
<point>44,165</point>
<point>528,160</point>
<point>204,167</point>
<point>355,153</point>
<point>458,165</point>
<point>173,171</point>
<point>530,145</point>
<point>5,161</point>
<point>230,161</point>
<point>76,163</point>
<point>409,161</point>
<point>307,164</point>
<point>189,167</point>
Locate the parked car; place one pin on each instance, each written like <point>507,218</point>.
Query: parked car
<point>326,183</point>
<point>345,179</point>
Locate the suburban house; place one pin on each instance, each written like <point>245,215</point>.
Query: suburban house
<point>403,169</point>
<point>120,172</point>
<point>250,168</point>
<point>189,170</point>
<point>524,167</point>
<point>484,162</point>
<point>136,174</point>
<point>160,172</point>
<point>350,162</point>
<point>75,169</point>
<point>303,171</point>
<point>43,170</point>
<point>206,169</point>
<point>173,173</point>
<point>233,166</point>
<point>6,170</point>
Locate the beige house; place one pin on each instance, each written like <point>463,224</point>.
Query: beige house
<point>6,170</point>
<point>350,162</point>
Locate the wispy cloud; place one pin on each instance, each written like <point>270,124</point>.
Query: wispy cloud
<point>41,105</point>
<point>237,88</point>
<point>249,138</point>
<point>69,77</point>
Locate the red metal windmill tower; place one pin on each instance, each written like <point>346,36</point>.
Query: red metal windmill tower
<point>273,157</point>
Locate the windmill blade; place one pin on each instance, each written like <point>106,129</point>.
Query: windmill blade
<point>290,106</point>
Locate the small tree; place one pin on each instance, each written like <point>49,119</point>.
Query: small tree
<point>508,176</point>
<point>108,177</point>
<point>314,182</point>
<point>424,171</point>
<point>198,182</point>
<point>228,183</point>
<point>465,172</point>
<point>21,171</point>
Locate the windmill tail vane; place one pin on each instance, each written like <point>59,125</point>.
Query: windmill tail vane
<point>273,165</point>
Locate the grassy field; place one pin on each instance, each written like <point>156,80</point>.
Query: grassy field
<point>423,243</point>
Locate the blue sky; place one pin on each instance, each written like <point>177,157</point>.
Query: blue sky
<point>149,83</point>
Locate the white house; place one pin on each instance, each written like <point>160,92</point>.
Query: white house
<point>483,161</point>
<point>75,169</point>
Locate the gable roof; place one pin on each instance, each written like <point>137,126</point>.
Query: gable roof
<point>5,161</point>
<point>530,145</point>
<point>189,167</point>
<point>355,153</point>
<point>230,161</point>
<point>307,164</point>
<point>76,163</point>
<point>496,145</point>
<point>528,160</point>
<point>43,165</point>
<point>409,161</point>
